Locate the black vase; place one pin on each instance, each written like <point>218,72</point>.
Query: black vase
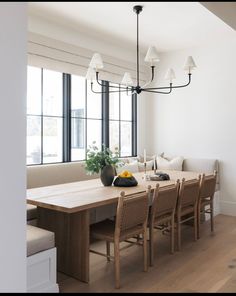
<point>107,175</point>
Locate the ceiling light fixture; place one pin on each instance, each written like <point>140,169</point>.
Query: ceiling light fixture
<point>152,58</point>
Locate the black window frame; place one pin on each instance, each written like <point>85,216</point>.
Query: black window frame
<point>66,117</point>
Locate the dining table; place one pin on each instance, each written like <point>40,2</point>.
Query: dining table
<point>65,210</point>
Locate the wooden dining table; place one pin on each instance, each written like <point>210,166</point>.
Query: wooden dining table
<point>65,210</point>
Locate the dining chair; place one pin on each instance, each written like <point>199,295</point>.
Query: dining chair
<point>130,222</point>
<point>206,197</point>
<point>187,206</point>
<point>162,214</point>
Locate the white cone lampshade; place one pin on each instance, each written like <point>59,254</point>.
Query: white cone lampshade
<point>170,75</point>
<point>96,62</point>
<point>152,55</point>
<point>189,64</point>
<point>90,75</point>
<point>127,80</point>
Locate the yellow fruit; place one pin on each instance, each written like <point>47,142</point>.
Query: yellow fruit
<point>125,174</point>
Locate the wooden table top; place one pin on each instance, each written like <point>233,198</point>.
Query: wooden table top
<point>83,195</point>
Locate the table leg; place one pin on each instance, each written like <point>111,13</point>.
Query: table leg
<point>71,239</point>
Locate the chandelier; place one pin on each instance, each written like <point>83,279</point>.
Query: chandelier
<point>152,58</point>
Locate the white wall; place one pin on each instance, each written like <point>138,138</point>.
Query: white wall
<point>12,149</point>
<point>199,120</point>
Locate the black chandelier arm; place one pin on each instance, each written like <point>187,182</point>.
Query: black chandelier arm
<point>152,76</point>
<point>110,91</point>
<point>189,81</point>
<point>176,86</point>
<point>159,92</point>
<point>111,86</point>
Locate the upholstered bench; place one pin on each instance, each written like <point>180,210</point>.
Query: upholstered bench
<point>41,260</point>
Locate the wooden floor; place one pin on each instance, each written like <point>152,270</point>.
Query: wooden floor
<point>208,265</point>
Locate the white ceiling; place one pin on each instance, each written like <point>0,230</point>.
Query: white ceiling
<point>167,25</point>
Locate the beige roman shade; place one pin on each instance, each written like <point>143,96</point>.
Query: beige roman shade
<point>63,57</point>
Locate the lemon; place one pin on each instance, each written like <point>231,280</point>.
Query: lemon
<point>125,174</point>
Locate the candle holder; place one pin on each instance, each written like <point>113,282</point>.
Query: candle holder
<point>145,170</point>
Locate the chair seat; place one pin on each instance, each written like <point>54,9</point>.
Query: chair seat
<point>104,230</point>
<point>187,210</point>
<point>163,218</point>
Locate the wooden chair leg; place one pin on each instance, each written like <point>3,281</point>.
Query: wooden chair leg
<point>117,264</point>
<point>145,258</point>
<point>108,251</point>
<point>151,255</point>
<point>179,234</point>
<point>172,236</point>
<point>198,221</point>
<point>212,216</point>
<point>195,224</point>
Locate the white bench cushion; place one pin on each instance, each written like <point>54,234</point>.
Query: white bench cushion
<point>39,240</point>
<point>59,173</point>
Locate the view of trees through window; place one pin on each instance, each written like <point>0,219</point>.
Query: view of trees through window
<point>50,136</point>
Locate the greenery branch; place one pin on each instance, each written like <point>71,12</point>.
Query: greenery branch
<point>97,160</point>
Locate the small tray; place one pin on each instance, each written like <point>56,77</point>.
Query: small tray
<point>155,178</point>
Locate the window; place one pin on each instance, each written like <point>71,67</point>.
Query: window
<point>120,122</point>
<point>86,118</point>
<point>44,116</point>
<point>64,117</point>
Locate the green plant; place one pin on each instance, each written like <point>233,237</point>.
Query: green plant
<point>97,160</point>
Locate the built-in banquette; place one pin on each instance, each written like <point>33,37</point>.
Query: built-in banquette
<point>53,174</point>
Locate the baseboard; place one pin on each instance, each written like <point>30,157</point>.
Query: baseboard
<point>228,208</point>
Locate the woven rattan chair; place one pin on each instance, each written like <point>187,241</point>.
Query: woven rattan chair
<point>206,196</point>
<point>187,206</point>
<point>131,221</point>
<point>162,214</point>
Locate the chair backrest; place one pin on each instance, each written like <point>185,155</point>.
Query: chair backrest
<point>189,192</point>
<point>207,186</point>
<point>132,211</point>
<point>164,201</point>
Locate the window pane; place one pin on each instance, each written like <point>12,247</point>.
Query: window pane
<point>52,93</point>
<point>33,90</point>
<point>114,135</point>
<point>126,139</point>
<point>33,139</point>
<point>78,96</point>
<point>114,105</point>
<point>94,134</point>
<point>52,139</point>
<point>94,102</point>
<point>125,106</point>
<point>78,147</point>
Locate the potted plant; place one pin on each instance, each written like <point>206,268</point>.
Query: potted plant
<point>103,162</point>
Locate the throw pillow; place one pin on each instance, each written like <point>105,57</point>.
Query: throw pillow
<point>149,165</point>
<point>175,163</point>
<point>131,167</point>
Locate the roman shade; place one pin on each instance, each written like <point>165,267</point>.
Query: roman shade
<point>59,56</point>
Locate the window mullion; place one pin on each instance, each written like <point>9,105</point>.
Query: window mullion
<point>105,113</point>
<point>66,117</point>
